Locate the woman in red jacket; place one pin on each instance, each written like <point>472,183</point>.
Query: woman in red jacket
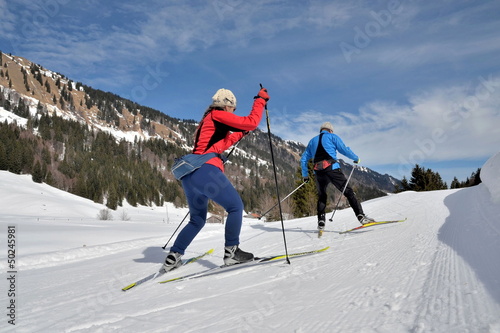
<point>218,130</point>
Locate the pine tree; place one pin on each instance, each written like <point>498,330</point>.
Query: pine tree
<point>305,198</point>
<point>455,183</point>
<point>112,201</point>
<point>417,180</point>
<point>423,179</point>
<point>37,175</point>
<point>3,156</point>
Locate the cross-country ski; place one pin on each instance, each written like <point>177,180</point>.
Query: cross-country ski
<point>161,272</point>
<point>371,224</point>
<point>257,261</point>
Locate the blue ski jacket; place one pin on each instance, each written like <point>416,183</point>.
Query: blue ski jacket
<point>331,143</point>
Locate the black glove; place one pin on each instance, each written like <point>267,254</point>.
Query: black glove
<point>306,179</point>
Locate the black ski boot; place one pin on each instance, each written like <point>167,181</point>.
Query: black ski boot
<point>321,224</point>
<point>233,255</point>
<point>321,221</point>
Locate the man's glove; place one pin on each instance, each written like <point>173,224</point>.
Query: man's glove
<point>263,94</point>
<point>306,179</point>
<point>357,161</point>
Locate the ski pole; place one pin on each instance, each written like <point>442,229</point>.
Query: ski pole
<point>342,194</point>
<point>164,246</point>
<point>281,200</point>
<point>276,180</point>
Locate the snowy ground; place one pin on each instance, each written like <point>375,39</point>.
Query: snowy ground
<point>437,272</point>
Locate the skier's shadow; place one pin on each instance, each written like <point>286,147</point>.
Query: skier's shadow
<point>279,229</point>
<point>152,254</point>
<point>156,255</point>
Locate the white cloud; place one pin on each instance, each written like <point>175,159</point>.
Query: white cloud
<point>447,123</point>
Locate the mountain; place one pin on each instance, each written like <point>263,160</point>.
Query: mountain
<point>100,146</point>
<point>436,272</point>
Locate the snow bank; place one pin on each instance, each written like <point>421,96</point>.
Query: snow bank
<point>490,176</point>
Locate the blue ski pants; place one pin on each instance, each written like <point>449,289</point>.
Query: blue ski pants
<point>209,182</point>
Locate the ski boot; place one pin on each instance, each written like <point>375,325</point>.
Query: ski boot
<point>321,224</point>
<point>321,227</point>
<point>234,255</point>
<point>363,219</point>
<point>172,261</point>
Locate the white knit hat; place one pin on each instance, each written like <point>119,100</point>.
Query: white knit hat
<point>326,125</point>
<point>224,97</point>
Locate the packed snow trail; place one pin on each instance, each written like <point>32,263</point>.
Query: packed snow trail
<point>436,272</point>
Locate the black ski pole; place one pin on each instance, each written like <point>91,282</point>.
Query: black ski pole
<point>276,180</point>
<point>164,246</point>
<point>342,194</point>
<point>270,209</point>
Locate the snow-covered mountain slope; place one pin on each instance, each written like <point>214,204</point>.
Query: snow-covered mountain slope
<point>437,272</point>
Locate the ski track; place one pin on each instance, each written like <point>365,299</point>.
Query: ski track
<point>365,263</point>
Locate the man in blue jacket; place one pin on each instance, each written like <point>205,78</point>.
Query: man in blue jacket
<point>323,150</point>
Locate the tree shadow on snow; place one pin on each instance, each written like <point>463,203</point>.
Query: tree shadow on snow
<point>473,231</point>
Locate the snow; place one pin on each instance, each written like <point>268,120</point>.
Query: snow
<point>9,117</point>
<point>437,272</point>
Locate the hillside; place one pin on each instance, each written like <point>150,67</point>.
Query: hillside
<point>109,149</point>
<point>436,272</point>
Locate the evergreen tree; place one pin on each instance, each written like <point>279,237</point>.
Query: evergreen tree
<point>305,198</point>
<point>112,200</point>
<point>455,183</point>
<point>37,175</point>
<point>423,179</point>
<point>3,156</point>
<point>475,178</point>
<point>417,180</point>
<point>15,158</point>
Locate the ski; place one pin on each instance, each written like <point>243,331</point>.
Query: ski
<point>370,225</point>
<point>161,272</point>
<point>255,262</point>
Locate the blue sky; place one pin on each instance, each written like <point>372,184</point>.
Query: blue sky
<point>403,82</point>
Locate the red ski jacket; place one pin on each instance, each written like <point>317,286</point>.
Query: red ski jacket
<point>219,130</point>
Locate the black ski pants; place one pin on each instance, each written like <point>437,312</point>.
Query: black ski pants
<point>337,178</point>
